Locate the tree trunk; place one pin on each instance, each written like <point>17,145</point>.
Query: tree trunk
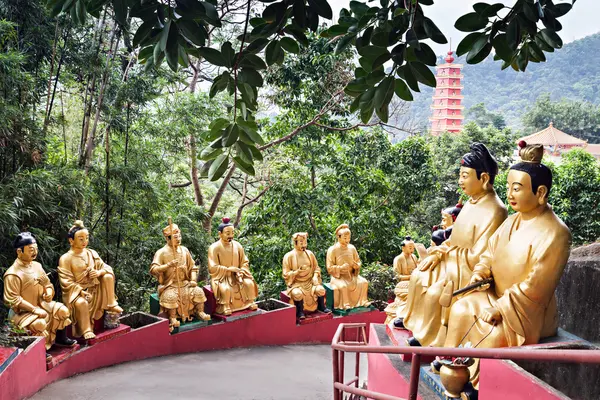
<point>194,172</point>
<point>54,44</point>
<point>89,148</point>
<point>193,149</point>
<point>207,223</point>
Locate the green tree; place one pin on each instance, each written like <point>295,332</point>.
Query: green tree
<point>393,31</point>
<point>578,118</point>
<point>575,195</point>
<point>482,117</point>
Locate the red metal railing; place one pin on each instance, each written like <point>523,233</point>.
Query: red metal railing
<point>340,346</point>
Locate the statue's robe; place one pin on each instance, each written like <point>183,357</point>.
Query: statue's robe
<point>403,268</point>
<point>475,224</point>
<point>231,291</point>
<point>28,283</point>
<point>526,263</point>
<point>301,286</point>
<point>175,291</point>
<point>73,276</point>
<point>349,288</point>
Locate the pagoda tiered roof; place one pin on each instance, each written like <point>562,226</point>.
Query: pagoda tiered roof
<point>552,136</point>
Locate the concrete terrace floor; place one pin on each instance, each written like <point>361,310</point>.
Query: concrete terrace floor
<point>282,373</point>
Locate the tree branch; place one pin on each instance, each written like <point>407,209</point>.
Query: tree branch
<point>215,203</point>
<point>179,185</point>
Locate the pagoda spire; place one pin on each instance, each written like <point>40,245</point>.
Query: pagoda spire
<point>447,98</point>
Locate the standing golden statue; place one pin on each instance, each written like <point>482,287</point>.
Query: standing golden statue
<point>525,257</point>
<point>404,265</point>
<point>28,293</point>
<point>88,284</point>
<point>343,264</point>
<point>449,266</point>
<point>302,276</point>
<point>178,291</point>
<point>231,280</point>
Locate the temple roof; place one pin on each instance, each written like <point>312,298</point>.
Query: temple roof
<point>552,136</point>
<point>593,149</point>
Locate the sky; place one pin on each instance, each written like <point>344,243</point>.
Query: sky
<point>581,21</point>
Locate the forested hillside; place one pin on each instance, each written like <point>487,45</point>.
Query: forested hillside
<point>572,72</point>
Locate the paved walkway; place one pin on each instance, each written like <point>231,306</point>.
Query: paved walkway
<point>282,373</point>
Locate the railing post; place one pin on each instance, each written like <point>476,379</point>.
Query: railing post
<point>415,370</point>
<point>336,366</point>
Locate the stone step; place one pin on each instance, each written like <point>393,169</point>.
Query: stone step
<point>399,337</point>
<point>60,354</point>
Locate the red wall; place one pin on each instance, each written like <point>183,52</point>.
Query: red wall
<point>27,372</point>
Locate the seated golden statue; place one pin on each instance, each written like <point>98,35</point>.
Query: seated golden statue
<point>525,257</point>
<point>88,284</point>
<point>404,265</point>
<point>231,280</point>
<point>178,291</point>
<point>28,293</point>
<point>343,264</point>
<point>302,276</point>
<point>449,266</point>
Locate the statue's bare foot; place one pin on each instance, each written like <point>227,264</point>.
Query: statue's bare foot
<point>203,316</point>
<point>89,335</point>
<point>253,306</point>
<point>227,311</point>
<point>115,309</point>
<point>174,322</point>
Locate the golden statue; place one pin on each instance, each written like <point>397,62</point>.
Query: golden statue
<point>28,293</point>
<point>88,284</point>
<point>343,264</point>
<point>302,276</point>
<point>525,257</point>
<point>449,266</point>
<point>231,280</point>
<point>404,265</point>
<point>178,291</point>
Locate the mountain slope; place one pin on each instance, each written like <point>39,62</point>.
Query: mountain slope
<point>572,72</point>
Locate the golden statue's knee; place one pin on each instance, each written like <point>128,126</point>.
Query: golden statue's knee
<point>38,326</point>
<point>81,303</point>
<point>107,278</point>
<point>63,313</point>
<point>320,291</point>
<point>297,295</point>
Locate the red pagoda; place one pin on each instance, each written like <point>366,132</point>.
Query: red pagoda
<point>446,107</point>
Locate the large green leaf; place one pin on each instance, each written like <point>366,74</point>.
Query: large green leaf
<point>480,50</point>
<point>246,168</point>
<point>213,56</point>
<point>433,31</point>
<point>551,38</point>
<point>251,77</point>
<point>290,45</point>
<point>228,54</point>
<point>426,55</point>
<point>466,44</point>
<point>218,167</point>
<point>273,53</point>
<point>120,10</point>
<point>358,7</point>
<point>501,47</point>
<point>142,32</point>
<point>232,136</point>
<point>471,22</point>
<point>210,154</point>
<point>384,92</point>
<point>402,90</point>
<point>486,10</point>
<point>343,43</point>
<point>252,61</point>
<point>172,48</point>
<point>423,73</point>
<point>322,8</point>
<point>243,151</point>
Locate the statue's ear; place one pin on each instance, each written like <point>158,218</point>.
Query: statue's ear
<point>485,179</point>
<point>542,194</point>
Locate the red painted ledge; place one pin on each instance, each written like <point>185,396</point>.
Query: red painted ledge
<point>27,373</point>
